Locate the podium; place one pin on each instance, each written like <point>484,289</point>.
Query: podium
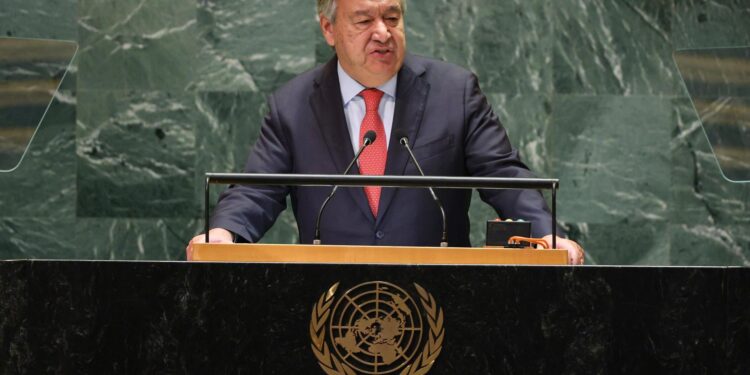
<point>337,254</point>
<point>106,317</point>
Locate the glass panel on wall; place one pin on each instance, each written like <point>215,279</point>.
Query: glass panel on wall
<point>718,81</point>
<point>31,71</point>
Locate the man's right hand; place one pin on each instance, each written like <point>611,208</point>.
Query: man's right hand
<point>216,235</point>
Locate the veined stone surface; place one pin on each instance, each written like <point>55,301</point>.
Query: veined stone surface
<point>164,91</point>
<point>136,154</point>
<point>39,19</point>
<point>614,47</point>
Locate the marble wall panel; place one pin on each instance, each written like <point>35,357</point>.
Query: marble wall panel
<point>699,192</point>
<point>614,47</point>
<point>711,24</point>
<point>508,43</point>
<point>630,242</point>
<point>715,245</point>
<point>420,25</point>
<point>612,157</point>
<point>230,125</point>
<point>133,44</point>
<point>39,19</point>
<point>136,154</point>
<point>133,239</point>
<point>49,237</point>
<point>44,183</point>
<point>271,41</point>
<point>526,119</point>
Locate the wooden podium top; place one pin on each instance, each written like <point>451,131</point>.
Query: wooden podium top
<point>337,254</point>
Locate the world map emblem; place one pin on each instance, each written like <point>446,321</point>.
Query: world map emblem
<point>376,328</point>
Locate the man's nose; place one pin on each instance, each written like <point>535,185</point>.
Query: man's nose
<point>381,32</point>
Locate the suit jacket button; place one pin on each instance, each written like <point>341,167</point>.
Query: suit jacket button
<point>380,234</point>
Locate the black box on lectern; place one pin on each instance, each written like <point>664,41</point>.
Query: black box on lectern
<point>498,232</point>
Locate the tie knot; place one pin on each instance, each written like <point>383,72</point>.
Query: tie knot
<point>372,99</point>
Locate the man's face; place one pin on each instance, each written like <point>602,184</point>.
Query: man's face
<point>369,39</point>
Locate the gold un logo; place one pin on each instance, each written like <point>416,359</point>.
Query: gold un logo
<point>376,328</point>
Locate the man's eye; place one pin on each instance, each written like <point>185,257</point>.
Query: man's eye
<point>392,21</point>
<point>363,22</point>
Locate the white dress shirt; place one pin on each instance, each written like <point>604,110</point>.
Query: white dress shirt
<point>354,105</point>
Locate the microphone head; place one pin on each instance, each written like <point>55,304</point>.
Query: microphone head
<point>401,136</point>
<point>369,137</point>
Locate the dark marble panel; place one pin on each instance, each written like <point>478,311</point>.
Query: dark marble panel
<point>44,184</point>
<point>612,156</point>
<point>218,318</point>
<point>710,245</point>
<point>38,238</point>
<point>136,154</point>
<point>705,24</point>
<point>614,47</point>
<point>132,44</point>
<point>738,317</point>
<point>266,42</point>
<point>39,19</point>
<point>700,195</point>
<point>14,297</point>
<point>671,323</point>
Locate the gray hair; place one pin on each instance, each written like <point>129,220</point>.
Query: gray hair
<point>327,8</point>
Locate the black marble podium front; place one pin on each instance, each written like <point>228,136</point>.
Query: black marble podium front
<point>72,317</point>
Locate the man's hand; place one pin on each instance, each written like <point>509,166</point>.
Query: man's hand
<point>575,251</point>
<point>216,235</point>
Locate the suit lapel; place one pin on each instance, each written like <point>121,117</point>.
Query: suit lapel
<point>327,105</point>
<point>411,98</point>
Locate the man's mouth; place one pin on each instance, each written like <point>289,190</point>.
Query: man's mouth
<point>381,52</point>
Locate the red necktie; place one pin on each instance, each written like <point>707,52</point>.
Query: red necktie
<point>372,160</point>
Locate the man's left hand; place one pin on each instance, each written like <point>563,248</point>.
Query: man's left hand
<point>575,251</point>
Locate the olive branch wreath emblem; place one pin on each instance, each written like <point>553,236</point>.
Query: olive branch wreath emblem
<point>331,365</point>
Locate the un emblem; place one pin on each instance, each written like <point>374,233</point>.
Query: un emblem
<point>376,328</point>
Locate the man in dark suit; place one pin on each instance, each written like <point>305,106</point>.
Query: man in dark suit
<point>316,122</point>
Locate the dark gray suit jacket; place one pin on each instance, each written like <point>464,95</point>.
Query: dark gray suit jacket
<point>452,130</point>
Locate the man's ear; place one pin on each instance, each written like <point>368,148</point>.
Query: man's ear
<point>326,27</point>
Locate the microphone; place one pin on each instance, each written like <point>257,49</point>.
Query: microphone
<point>403,139</point>
<point>367,140</point>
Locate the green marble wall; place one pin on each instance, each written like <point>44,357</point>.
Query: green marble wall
<point>165,90</point>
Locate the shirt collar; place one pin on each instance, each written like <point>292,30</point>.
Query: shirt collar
<point>351,88</point>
